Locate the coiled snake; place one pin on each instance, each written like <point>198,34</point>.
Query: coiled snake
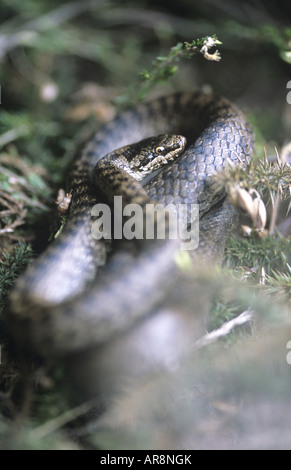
<point>68,300</point>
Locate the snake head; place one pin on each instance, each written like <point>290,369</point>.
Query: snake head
<point>154,152</point>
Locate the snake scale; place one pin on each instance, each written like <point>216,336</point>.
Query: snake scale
<point>71,298</point>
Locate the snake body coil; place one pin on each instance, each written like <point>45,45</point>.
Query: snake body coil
<point>63,303</point>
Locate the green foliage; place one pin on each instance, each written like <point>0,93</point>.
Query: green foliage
<point>50,46</point>
<point>24,194</point>
<point>221,312</point>
<point>262,263</point>
<point>280,37</point>
<point>24,439</point>
<point>279,283</point>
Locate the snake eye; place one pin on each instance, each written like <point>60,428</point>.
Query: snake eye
<point>160,150</point>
